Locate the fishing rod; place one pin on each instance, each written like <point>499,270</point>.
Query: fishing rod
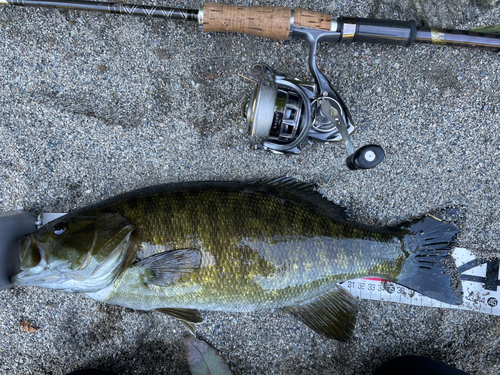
<point>286,112</point>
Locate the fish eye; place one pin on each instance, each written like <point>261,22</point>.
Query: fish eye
<point>59,229</point>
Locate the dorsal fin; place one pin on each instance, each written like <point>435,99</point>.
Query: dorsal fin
<point>190,326</point>
<point>306,192</point>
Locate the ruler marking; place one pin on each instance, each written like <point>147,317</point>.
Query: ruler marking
<point>469,265</point>
<point>476,279</point>
<point>491,278</point>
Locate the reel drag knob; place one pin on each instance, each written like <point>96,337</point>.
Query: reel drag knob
<point>365,157</point>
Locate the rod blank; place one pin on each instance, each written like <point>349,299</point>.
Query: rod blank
<point>107,7</point>
<point>279,22</point>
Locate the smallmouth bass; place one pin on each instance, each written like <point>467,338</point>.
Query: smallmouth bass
<point>234,247</point>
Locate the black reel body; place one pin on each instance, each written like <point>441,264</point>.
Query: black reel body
<point>283,113</point>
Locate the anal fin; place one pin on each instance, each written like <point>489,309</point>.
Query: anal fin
<point>332,314</point>
<point>190,326</point>
<point>188,317</point>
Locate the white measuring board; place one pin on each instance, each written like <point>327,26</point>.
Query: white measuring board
<point>479,283</point>
<point>47,217</point>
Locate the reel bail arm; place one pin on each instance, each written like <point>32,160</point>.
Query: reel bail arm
<point>332,104</point>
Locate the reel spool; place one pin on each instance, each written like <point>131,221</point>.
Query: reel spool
<point>275,114</point>
<point>284,113</point>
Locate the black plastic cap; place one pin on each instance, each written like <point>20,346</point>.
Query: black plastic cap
<point>365,157</point>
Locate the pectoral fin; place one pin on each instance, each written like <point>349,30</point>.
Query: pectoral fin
<point>332,314</point>
<point>170,266</point>
<point>188,317</point>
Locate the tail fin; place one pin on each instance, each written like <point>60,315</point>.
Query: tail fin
<point>430,269</point>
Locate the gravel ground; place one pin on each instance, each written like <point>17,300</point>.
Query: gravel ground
<point>93,105</point>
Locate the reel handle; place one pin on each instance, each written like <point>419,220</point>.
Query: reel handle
<point>366,157</point>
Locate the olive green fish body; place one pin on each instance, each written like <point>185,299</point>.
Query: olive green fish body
<point>258,249</point>
<point>234,246</point>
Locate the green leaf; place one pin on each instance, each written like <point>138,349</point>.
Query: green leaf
<point>203,359</point>
<point>487,29</point>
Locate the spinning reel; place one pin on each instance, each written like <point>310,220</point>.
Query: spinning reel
<point>286,112</point>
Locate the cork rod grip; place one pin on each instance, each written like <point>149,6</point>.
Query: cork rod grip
<point>312,20</point>
<point>268,22</point>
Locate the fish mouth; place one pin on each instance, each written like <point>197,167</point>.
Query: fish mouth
<point>30,252</point>
<point>32,262</point>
